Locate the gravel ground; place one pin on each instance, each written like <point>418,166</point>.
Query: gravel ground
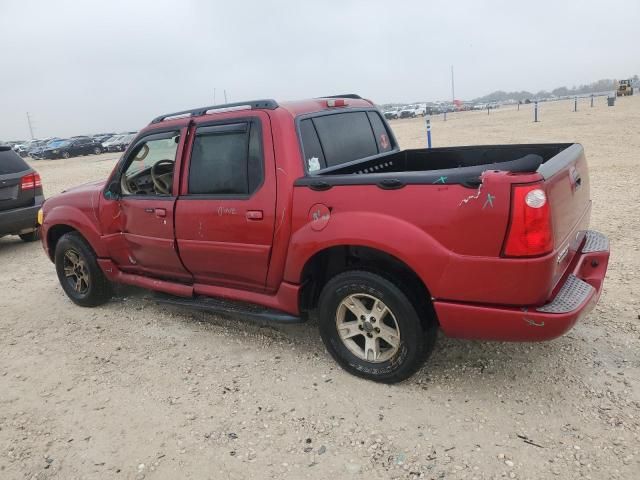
<point>137,390</point>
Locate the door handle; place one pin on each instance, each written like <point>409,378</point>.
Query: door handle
<point>254,215</point>
<point>161,212</point>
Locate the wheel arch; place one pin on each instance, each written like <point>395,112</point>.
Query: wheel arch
<point>54,234</point>
<point>330,261</point>
<point>64,219</point>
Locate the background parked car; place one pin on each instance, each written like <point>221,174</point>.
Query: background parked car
<point>391,114</point>
<point>102,137</point>
<point>420,110</point>
<point>111,144</point>
<point>20,196</point>
<point>123,142</point>
<point>407,112</point>
<point>71,148</point>
<point>37,147</point>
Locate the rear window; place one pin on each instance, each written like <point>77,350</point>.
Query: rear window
<point>334,139</point>
<point>10,162</point>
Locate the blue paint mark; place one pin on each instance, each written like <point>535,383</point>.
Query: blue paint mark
<point>441,180</point>
<point>489,201</point>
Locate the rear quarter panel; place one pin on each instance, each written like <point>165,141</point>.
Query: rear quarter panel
<point>450,235</point>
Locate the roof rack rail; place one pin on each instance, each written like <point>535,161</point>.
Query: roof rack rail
<point>196,112</point>
<point>346,95</point>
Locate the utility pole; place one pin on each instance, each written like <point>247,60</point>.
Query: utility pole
<point>30,126</point>
<point>225,96</point>
<point>214,95</point>
<point>453,91</point>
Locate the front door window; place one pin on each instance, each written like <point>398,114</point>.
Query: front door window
<point>151,166</point>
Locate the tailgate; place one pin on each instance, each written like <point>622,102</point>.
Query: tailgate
<point>566,177</point>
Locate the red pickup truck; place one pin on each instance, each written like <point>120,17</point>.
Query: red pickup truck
<point>275,210</point>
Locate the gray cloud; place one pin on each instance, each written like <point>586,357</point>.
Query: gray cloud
<point>89,66</point>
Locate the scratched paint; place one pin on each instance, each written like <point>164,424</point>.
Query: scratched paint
<point>472,197</point>
<point>442,179</point>
<point>533,323</point>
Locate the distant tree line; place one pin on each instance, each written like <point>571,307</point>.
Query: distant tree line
<point>595,87</point>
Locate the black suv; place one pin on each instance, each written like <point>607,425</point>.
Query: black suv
<point>20,196</point>
<point>72,148</point>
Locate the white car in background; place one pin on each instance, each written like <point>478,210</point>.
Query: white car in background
<point>420,109</point>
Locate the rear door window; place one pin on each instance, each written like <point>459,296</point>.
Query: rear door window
<point>10,162</point>
<point>226,159</point>
<point>335,139</point>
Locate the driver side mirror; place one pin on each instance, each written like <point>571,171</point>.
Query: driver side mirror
<point>114,190</point>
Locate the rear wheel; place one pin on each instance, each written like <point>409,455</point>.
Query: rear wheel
<point>372,329</point>
<point>80,276</point>
<point>30,237</point>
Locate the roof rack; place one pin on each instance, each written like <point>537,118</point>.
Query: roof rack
<point>346,95</point>
<point>196,112</point>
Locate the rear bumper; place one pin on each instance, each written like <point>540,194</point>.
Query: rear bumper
<point>573,298</point>
<point>19,220</point>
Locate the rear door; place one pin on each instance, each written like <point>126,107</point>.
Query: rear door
<point>225,214</point>
<point>12,169</point>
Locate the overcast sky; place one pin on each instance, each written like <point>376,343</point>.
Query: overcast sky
<point>91,66</point>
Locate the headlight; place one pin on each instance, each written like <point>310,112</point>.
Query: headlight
<point>55,151</point>
<point>40,217</point>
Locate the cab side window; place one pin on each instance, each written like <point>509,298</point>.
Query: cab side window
<point>226,159</point>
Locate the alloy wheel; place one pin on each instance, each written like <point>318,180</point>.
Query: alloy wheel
<point>368,328</point>
<point>76,271</point>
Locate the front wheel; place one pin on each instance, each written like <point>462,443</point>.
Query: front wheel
<point>97,150</point>
<point>80,276</point>
<point>372,329</point>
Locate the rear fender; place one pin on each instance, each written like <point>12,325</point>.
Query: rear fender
<point>391,235</point>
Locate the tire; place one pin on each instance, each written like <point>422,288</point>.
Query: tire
<point>31,236</point>
<point>97,150</point>
<point>94,288</point>
<point>415,327</point>
<point>65,155</point>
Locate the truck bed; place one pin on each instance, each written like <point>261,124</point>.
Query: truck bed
<point>462,165</point>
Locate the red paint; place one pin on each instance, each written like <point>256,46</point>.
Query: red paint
<point>254,249</point>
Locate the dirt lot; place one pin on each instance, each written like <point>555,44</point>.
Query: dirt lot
<point>136,390</point>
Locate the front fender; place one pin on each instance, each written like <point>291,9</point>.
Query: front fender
<point>391,235</point>
<point>77,219</point>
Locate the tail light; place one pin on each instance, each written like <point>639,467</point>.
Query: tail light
<point>530,232</point>
<point>30,181</point>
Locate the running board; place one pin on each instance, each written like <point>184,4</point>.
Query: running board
<point>228,307</point>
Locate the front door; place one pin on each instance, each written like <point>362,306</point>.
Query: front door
<point>138,224</point>
<point>225,214</point>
